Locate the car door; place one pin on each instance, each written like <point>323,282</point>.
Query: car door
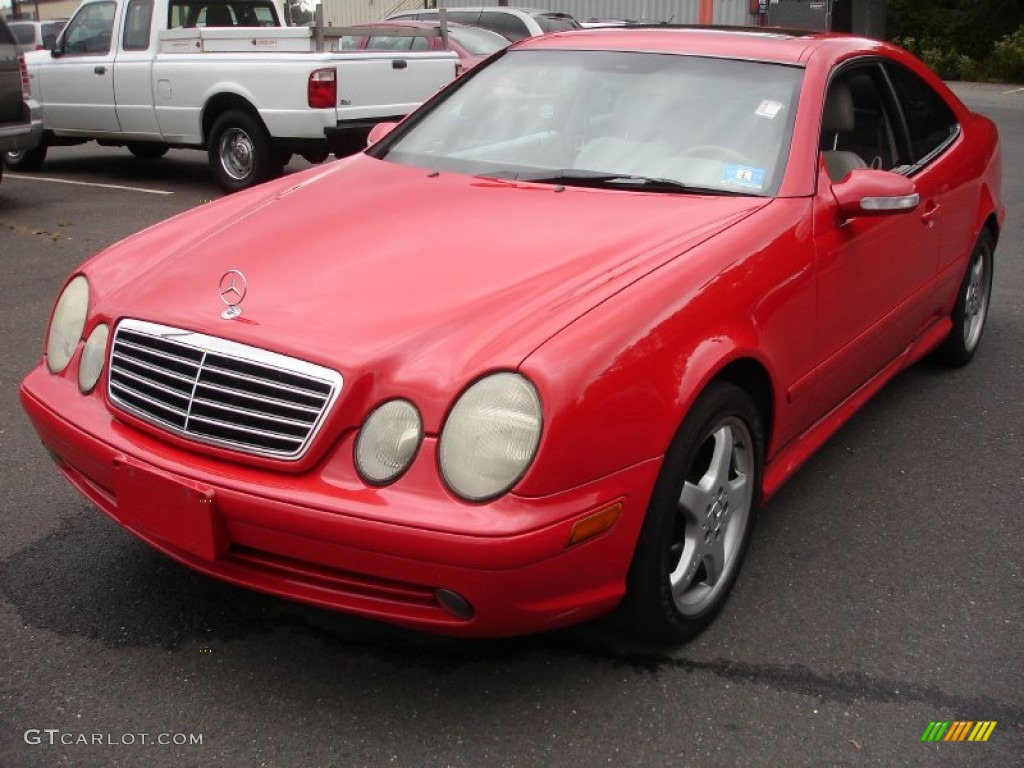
<point>133,72</point>
<point>76,83</point>
<point>873,271</point>
<point>936,164</point>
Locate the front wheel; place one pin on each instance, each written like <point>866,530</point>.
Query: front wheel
<point>700,518</point>
<point>240,152</point>
<point>25,159</point>
<point>971,308</point>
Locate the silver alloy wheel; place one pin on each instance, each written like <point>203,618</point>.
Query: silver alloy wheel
<point>14,156</point>
<point>976,296</point>
<point>237,155</point>
<point>713,514</point>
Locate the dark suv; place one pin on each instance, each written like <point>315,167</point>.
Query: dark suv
<point>20,127</point>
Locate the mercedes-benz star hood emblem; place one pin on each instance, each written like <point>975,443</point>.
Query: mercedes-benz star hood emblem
<point>233,287</point>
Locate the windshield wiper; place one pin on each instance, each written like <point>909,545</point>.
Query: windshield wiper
<point>583,178</point>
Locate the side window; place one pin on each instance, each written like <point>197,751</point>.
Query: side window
<point>49,33</point>
<point>858,129</point>
<point>505,24</point>
<point>930,122</point>
<point>389,43</point>
<point>91,30</point>
<point>470,18</point>
<point>137,21</point>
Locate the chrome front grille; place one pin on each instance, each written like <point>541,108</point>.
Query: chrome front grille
<point>217,391</point>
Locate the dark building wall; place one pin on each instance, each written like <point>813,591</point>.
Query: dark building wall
<point>862,17</point>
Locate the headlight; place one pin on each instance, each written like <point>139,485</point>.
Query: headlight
<point>67,324</point>
<point>388,441</point>
<point>91,365</point>
<point>490,437</point>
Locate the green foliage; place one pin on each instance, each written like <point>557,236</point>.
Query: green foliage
<point>1007,61</point>
<point>965,39</point>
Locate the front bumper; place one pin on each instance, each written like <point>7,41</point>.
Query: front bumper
<point>307,538</point>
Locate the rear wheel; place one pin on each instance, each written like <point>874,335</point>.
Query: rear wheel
<point>700,518</point>
<point>147,150</point>
<point>240,152</point>
<point>971,308</point>
<point>25,159</point>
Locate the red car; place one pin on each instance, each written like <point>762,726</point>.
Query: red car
<point>545,348</point>
<point>472,44</point>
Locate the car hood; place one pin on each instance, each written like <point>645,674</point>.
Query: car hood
<point>395,273</point>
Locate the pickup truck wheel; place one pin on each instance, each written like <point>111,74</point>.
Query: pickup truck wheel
<point>25,159</point>
<point>241,154</point>
<point>147,150</point>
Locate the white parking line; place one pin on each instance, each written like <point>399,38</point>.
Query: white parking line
<point>1015,90</point>
<point>88,184</point>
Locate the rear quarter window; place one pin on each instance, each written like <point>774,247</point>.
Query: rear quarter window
<point>930,122</point>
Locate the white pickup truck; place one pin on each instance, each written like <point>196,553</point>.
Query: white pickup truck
<point>221,75</point>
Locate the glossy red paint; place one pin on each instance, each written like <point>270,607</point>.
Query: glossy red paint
<point>620,328</point>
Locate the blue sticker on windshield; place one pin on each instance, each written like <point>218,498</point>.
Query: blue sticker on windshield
<point>743,176</point>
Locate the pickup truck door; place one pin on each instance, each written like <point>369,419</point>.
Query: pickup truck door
<point>77,82</point>
<point>133,71</point>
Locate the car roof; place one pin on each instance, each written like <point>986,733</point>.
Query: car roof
<point>786,46</point>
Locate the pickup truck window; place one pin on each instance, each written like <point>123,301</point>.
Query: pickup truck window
<point>137,22</point>
<point>91,30</point>
<point>210,13</point>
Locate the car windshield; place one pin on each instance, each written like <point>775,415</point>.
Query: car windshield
<point>476,41</point>
<point>603,117</point>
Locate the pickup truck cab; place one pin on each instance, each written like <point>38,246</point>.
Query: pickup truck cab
<point>221,75</point>
<point>20,129</point>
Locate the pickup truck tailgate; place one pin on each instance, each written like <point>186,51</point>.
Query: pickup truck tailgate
<point>386,84</point>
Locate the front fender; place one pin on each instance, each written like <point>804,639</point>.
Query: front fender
<point>617,383</point>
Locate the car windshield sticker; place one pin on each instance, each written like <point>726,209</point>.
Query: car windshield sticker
<point>769,109</point>
<point>743,176</point>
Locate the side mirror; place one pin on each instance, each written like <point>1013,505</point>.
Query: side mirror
<point>866,192</point>
<point>378,132</point>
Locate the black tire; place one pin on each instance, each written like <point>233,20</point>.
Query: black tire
<point>147,150</point>
<point>240,152</point>
<point>316,156</point>
<point>702,512</point>
<point>971,308</point>
<point>26,159</point>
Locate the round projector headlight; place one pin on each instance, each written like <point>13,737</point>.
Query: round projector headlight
<point>67,324</point>
<point>490,437</point>
<point>388,441</point>
<point>93,354</point>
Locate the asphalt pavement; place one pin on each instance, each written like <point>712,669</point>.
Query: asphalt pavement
<point>884,589</point>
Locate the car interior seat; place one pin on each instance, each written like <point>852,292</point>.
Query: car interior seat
<point>839,117</point>
<point>219,16</point>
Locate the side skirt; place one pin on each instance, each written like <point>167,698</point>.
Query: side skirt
<point>789,459</point>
